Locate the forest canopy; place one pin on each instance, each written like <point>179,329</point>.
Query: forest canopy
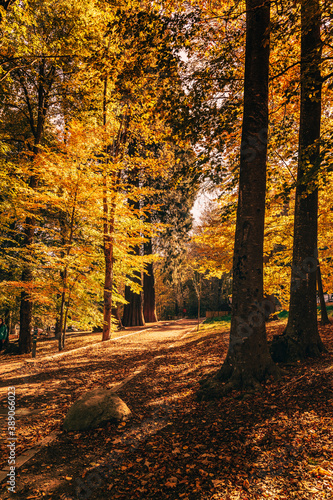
<point>116,117</point>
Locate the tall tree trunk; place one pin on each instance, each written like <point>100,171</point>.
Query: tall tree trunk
<point>323,310</point>
<point>301,338</point>
<point>109,262</point>
<point>45,82</point>
<point>109,209</point>
<point>107,240</point>
<point>26,304</point>
<point>25,323</point>
<point>248,360</point>
<point>64,273</point>
<point>61,339</point>
<point>149,300</point>
<point>133,310</point>
<point>199,307</point>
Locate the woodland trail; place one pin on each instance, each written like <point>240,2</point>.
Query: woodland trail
<point>67,374</point>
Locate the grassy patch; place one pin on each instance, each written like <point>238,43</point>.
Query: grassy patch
<point>283,314</point>
<point>215,324</point>
<point>222,319</point>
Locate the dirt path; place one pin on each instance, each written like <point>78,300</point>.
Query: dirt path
<point>48,385</point>
<point>48,348</point>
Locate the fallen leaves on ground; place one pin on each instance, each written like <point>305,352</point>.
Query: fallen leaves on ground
<point>276,445</point>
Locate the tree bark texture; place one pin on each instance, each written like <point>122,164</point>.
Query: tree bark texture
<point>149,299</point>
<point>301,338</point>
<point>248,360</point>
<point>108,236</point>
<point>133,311</point>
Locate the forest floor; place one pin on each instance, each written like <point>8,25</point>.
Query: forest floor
<point>277,444</point>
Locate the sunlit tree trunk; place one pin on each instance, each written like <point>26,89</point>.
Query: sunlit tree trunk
<point>248,360</point>
<point>109,263</point>
<point>301,338</point>
<point>108,227</point>
<point>110,187</point>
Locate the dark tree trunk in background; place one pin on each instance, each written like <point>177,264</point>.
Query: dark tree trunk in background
<point>8,322</point>
<point>26,302</point>
<point>25,317</point>
<point>323,310</point>
<point>133,311</point>
<point>248,360</point>
<point>301,338</point>
<point>149,302</point>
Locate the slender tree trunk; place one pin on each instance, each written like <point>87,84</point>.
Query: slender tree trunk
<point>65,323</point>
<point>109,210</point>
<point>248,360</point>
<point>8,322</point>
<point>26,304</point>
<point>108,284</point>
<point>61,319</point>
<point>64,274</point>
<point>109,262</point>
<point>45,82</point>
<point>149,300</point>
<point>301,338</point>
<point>107,241</point>
<point>323,310</point>
<point>199,307</point>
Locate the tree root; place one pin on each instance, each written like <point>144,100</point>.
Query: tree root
<point>226,380</point>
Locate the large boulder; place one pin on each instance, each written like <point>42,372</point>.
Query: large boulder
<point>95,408</point>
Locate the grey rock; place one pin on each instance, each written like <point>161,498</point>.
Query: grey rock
<point>94,409</point>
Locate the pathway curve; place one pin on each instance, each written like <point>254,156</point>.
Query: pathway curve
<point>46,377</point>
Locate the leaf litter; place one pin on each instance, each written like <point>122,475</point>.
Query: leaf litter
<point>277,444</point>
